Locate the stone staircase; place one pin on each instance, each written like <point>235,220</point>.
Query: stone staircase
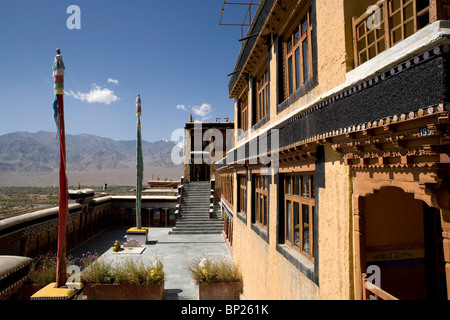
<point>195,217</point>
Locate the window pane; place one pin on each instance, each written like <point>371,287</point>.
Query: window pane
<point>289,45</point>
<point>291,76</point>
<point>296,225</point>
<point>296,36</point>
<point>245,200</point>
<point>297,185</point>
<point>260,100</point>
<point>261,207</point>
<point>288,221</point>
<point>409,29</point>
<point>423,21</point>
<point>288,185</point>
<point>305,60</point>
<point>304,26</point>
<point>422,4</point>
<point>305,186</point>
<point>265,210</point>
<point>305,213</point>
<point>257,209</point>
<point>297,69</point>
<point>263,105</point>
<point>313,187</point>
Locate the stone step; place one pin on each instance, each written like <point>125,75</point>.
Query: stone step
<point>195,215</point>
<point>194,232</point>
<point>211,226</point>
<point>197,221</point>
<point>203,222</point>
<point>195,203</point>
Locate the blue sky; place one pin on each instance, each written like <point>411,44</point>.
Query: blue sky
<point>173,53</point>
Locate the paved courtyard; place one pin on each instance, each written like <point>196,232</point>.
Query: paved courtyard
<point>175,251</point>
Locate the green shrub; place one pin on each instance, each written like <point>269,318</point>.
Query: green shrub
<point>124,271</point>
<point>217,270</point>
<point>43,267</point>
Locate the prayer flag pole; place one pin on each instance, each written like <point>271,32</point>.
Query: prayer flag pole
<point>138,233</point>
<point>58,107</point>
<point>139,164</point>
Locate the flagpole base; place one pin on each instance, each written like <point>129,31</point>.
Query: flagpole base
<point>50,292</point>
<point>140,235</point>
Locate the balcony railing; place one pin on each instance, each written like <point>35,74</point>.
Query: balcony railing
<point>370,290</point>
<point>388,22</point>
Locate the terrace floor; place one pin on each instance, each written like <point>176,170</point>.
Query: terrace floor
<point>175,251</point>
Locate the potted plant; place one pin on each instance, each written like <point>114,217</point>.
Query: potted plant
<point>125,279</point>
<point>217,278</point>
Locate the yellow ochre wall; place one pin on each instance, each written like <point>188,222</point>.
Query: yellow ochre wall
<point>266,273</point>
<point>335,230</point>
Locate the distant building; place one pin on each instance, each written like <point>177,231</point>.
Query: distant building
<point>350,101</point>
<point>205,143</point>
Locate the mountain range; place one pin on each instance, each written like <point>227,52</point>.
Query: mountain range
<point>37,154</point>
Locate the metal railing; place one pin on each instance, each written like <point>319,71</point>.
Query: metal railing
<point>388,22</point>
<point>179,198</point>
<point>211,198</point>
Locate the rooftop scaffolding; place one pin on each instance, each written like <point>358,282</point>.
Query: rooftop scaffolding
<point>246,22</point>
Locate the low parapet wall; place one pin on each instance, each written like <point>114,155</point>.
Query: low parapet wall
<point>36,232</point>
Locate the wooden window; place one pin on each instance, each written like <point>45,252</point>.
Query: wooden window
<point>261,194</point>
<point>399,19</point>
<point>242,194</point>
<point>406,17</point>
<point>298,56</point>
<point>262,96</point>
<point>370,41</point>
<point>227,187</point>
<point>299,202</point>
<point>244,112</point>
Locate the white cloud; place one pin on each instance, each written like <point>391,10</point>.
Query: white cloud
<point>96,95</point>
<point>115,81</point>
<point>203,111</point>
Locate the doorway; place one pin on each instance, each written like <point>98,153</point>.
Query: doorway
<point>200,172</point>
<point>403,237</point>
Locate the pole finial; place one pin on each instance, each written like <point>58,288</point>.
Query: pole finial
<point>138,105</point>
<point>58,51</point>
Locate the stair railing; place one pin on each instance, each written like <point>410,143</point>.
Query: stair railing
<point>211,198</point>
<point>179,198</point>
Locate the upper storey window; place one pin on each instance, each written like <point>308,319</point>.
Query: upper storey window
<point>243,112</point>
<point>389,22</point>
<point>298,57</point>
<point>262,96</point>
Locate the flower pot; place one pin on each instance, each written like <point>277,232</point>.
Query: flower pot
<point>220,291</point>
<point>123,291</point>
